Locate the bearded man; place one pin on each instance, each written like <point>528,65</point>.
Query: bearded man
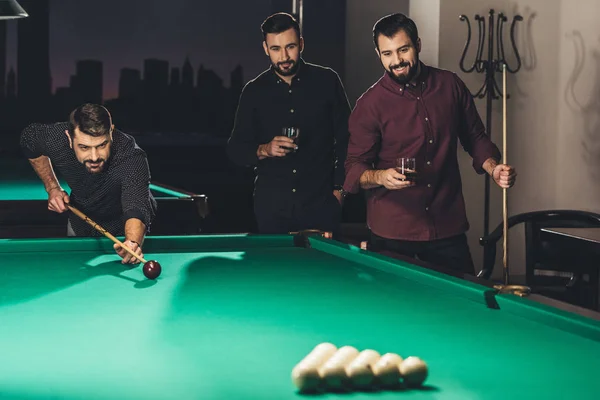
<point>107,172</point>
<point>421,113</point>
<point>291,126</point>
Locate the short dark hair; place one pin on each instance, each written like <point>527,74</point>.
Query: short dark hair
<point>91,119</point>
<point>391,24</point>
<point>279,22</point>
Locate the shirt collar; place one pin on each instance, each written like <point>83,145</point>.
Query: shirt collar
<point>421,80</point>
<point>300,74</point>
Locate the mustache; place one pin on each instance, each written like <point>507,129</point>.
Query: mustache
<point>401,65</point>
<point>291,62</point>
<point>98,161</point>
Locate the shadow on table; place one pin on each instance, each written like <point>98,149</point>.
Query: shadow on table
<point>375,389</point>
<point>210,280</point>
<point>26,280</point>
<point>261,284</point>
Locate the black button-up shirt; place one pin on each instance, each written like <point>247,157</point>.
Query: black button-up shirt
<point>316,103</point>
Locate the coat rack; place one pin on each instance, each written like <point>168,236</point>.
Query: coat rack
<point>490,90</point>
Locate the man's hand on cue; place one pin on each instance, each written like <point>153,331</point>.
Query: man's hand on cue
<point>124,254</point>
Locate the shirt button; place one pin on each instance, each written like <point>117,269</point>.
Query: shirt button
<point>418,98</point>
<point>292,110</point>
<point>428,162</point>
<point>294,171</point>
<point>294,190</point>
<point>426,208</point>
<point>430,141</point>
<point>429,185</point>
<point>290,90</point>
<point>426,119</point>
<point>400,89</point>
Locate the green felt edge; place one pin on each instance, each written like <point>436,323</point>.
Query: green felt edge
<point>157,189</point>
<point>232,242</point>
<point>523,307</point>
<point>167,191</point>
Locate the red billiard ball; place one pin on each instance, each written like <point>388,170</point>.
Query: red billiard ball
<point>152,269</point>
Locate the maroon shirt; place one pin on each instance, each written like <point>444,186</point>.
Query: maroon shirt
<point>424,121</point>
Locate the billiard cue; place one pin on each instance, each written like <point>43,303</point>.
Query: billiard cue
<point>104,232</point>
<point>518,290</point>
<point>504,194</point>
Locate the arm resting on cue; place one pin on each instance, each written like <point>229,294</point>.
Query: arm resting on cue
<point>134,238</point>
<point>100,229</point>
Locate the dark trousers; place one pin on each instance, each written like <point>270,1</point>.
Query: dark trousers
<point>283,218</point>
<point>452,253</point>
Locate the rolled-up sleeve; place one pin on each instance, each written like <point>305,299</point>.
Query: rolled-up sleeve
<point>243,143</point>
<point>472,132</point>
<point>363,144</point>
<point>135,191</point>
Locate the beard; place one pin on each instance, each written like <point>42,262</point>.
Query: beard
<point>95,166</point>
<point>289,71</point>
<point>405,78</point>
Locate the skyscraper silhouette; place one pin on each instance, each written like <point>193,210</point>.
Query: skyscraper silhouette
<point>187,74</point>
<point>33,59</point>
<point>156,78</point>
<point>2,60</point>
<point>130,83</point>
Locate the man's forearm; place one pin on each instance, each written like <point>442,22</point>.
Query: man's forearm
<point>135,230</point>
<point>370,179</point>
<point>43,168</point>
<point>489,165</point>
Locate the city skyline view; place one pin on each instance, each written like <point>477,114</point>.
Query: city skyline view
<point>141,30</point>
<point>158,69</point>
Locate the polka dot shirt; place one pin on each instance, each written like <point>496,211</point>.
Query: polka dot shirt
<point>111,197</point>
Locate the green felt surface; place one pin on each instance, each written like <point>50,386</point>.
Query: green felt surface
<point>231,315</point>
<point>34,190</point>
<point>18,181</point>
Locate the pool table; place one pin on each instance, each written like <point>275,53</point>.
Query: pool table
<point>24,206</point>
<point>231,315</point>
<point>578,249</point>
